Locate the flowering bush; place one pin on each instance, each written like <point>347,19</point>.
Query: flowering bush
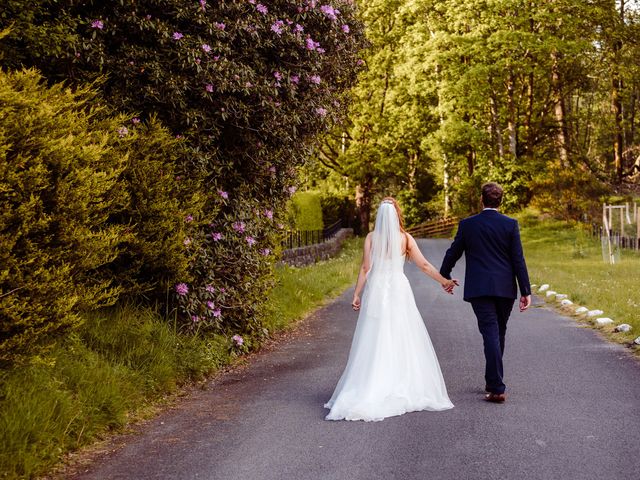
<point>246,85</point>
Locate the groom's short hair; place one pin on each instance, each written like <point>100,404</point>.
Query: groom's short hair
<point>491,195</point>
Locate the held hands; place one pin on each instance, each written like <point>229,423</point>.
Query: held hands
<point>525,302</point>
<point>449,285</point>
<point>356,302</point>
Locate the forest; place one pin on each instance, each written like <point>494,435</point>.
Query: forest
<point>541,96</point>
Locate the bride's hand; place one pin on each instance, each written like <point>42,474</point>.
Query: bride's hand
<point>356,303</point>
<point>449,285</point>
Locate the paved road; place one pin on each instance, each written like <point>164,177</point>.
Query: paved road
<point>573,410</point>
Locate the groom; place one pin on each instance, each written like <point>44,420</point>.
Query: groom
<point>493,253</point>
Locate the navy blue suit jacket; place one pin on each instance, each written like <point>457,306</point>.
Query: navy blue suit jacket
<point>493,253</point>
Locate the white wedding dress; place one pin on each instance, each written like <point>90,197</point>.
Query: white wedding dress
<point>392,367</point>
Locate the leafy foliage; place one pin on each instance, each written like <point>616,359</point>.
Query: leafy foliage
<point>90,211</point>
<point>246,86</point>
<point>306,210</point>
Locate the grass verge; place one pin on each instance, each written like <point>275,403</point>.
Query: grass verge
<point>566,257</point>
<point>123,361</point>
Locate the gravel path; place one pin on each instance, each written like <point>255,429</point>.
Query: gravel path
<point>573,410</point>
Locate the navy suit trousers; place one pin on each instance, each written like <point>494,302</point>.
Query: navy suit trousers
<point>492,314</point>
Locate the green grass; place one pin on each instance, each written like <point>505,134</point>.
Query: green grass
<point>567,258</point>
<point>301,290</point>
<point>123,361</point>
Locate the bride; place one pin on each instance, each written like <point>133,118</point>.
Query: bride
<point>392,367</point>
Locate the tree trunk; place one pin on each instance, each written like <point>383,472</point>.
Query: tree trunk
<point>363,203</point>
<point>511,120</point>
<point>616,105</point>
<point>562,140</point>
<point>496,132</point>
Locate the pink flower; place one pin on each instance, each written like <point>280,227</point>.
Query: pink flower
<point>222,289</point>
<point>298,28</point>
<point>320,50</point>
<point>277,27</point>
<point>360,62</point>
<point>292,190</point>
<point>295,79</point>
<point>280,226</point>
<point>315,79</point>
<point>321,111</point>
<point>197,60</point>
<point>216,236</point>
<point>97,24</point>
<point>262,9</point>
<point>238,339</point>
<point>210,289</point>
<point>272,170</point>
<point>216,313</point>
<point>265,252</point>
<point>148,17</point>
<point>122,131</point>
<point>188,218</point>
<point>182,289</point>
<point>219,25</point>
<point>223,194</point>
<point>203,4</point>
<point>329,12</point>
<point>250,240</point>
<point>345,28</point>
<point>186,242</point>
<point>208,87</point>
<point>177,35</point>
<point>269,214</point>
<point>210,305</point>
<point>195,318</point>
<point>310,44</point>
<point>135,120</point>
<point>277,75</point>
<point>238,227</point>
<point>248,85</point>
<point>206,48</point>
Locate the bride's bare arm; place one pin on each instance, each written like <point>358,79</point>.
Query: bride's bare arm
<point>362,275</point>
<point>423,264</point>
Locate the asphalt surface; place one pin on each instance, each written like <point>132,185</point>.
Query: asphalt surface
<point>573,410</point>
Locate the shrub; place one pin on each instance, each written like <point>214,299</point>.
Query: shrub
<point>336,206</point>
<point>59,169</point>
<point>306,211</point>
<point>89,210</point>
<point>247,88</point>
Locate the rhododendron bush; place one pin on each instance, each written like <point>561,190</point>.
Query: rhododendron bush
<point>246,84</point>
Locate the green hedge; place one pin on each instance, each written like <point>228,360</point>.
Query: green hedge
<point>306,211</point>
<point>89,210</point>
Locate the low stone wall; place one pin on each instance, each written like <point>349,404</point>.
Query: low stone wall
<point>302,256</point>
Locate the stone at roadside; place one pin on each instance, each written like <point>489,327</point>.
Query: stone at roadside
<point>543,287</point>
<point>566,302</point>
<point>561,296</point>
<point>604,321</point>
<point>581,310</point>
<point>623,327</point>
<point>551,293</point>
<point>594,313</point>
<point>637,341</point>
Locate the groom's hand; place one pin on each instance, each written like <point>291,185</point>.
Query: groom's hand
<point>525,302</point>
<point>450,285</point>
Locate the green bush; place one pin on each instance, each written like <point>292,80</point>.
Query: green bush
<point>90,210</point>
<point>336,206</point>
<point>59,170</point>
<point>306,211</point>
<point>247,88</point>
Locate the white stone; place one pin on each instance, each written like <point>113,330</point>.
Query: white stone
<point>543,287</point>
<point>581,310</point>
<point>561,296</point>
<point>566,302</point>
<point>550,293</point>
<point>594,313</point>
<point>603,321</point>
<point>623,327</point>
<point>637,341</point>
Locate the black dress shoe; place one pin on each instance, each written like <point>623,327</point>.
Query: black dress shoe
<point>495,397</point>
